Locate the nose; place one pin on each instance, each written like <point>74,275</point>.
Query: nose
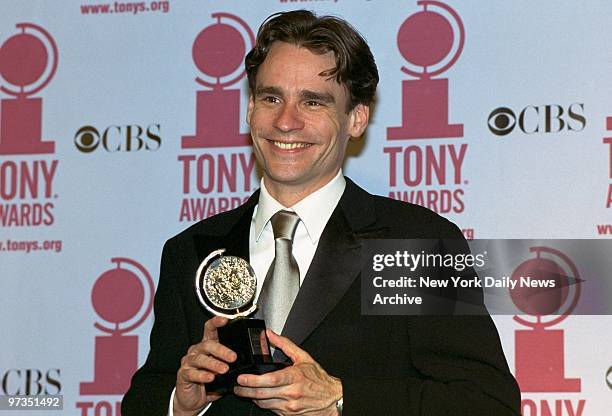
<point>288,118</point>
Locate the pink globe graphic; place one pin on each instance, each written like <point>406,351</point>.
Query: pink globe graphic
<point>540,301</point>
<point>118,295</point>
<point>425,38</point>
<point>23,59</point>
<point>218,50</point>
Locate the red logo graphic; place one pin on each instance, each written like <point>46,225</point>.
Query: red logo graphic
<point>218,52</point>
<point>426,41</point>
<point>539,352</point>
<point>24,62</point>
<point>119,296</point>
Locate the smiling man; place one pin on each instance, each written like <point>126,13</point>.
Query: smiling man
<point>301,121</point>
<point>312,81</point>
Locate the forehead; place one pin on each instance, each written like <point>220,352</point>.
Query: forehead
<point>290,67</point>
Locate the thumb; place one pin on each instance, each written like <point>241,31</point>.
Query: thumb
<point>210,327</point>
<point>295,353</point>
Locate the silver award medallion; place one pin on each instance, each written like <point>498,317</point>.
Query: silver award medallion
<point>226,285</point>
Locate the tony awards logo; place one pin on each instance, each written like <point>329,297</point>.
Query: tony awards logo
<point>539,352</point>
<point>427,41</point>
<point>218,52</point>
<point>121,295</point>
<point>28,61</point>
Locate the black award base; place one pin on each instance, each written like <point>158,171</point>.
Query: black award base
<point>247,338</point>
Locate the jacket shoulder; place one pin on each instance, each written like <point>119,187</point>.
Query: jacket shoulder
<point>413,220</point>
<point>217,225</point>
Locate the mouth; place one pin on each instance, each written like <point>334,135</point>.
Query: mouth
<point>289,146</point>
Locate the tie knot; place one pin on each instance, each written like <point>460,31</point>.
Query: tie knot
<point>284,224</point>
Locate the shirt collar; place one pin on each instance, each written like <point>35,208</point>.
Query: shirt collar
<point>314,210</point>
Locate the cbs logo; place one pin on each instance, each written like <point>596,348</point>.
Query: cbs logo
<point>550,118</point>
<point>128,138</point>
<point>31,381</point>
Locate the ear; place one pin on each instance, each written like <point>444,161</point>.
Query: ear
<point>359,117</point>
<point>250,109</point>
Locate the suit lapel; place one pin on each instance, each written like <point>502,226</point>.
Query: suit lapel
<point>335,266</point>
<point>229,231</point>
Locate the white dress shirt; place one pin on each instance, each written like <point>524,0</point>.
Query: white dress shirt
<point>314,212</point>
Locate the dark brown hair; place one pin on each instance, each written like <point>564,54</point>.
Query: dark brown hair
<point>355,66</point>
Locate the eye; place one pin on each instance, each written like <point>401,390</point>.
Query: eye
<point>313,103</point>
<point>502,121</point>
<point>270,99</point>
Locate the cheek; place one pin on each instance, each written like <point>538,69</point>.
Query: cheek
<point>325,127</point>
<point>258,150</point>
<point>260,120</point>
<point>254,122</point>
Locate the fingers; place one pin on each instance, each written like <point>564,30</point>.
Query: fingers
<point>293,398</point>
<point>295,353</point>
<point>199,366</point>
<point>261,393</point>
<point>210,327</point>
<point>194,376</point>
<point>273,379</point>
<point>210,348</point>
<point>205,362</point>
<point>304,387</point>
<point>208,355</point>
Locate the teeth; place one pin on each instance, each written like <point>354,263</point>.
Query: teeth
<point>289,146</point>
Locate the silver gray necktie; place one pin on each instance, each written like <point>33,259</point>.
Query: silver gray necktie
<point>283,279</point>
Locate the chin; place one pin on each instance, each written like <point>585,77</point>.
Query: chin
<point>285,173</point>
<point>284,179</point>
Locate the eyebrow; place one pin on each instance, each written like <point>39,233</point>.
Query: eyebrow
<point>267,90</point>
<point>305,94</point>
<point>318,96</point>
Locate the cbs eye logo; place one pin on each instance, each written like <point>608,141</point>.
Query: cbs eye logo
<point>87,139</point>
<point>549,118</point>
<point>502,121</point>
<point>128,138</point>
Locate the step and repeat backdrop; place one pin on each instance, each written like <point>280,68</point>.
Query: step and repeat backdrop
<point>123,123</point>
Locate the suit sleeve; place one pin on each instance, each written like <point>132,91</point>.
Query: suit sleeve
<point>460,363</point>
<point>152,384</point>
<point>463,373</point>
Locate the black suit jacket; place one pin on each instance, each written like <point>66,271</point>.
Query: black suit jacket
<point>389,365</point>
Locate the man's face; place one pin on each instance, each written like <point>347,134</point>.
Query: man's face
<point>299,122</point>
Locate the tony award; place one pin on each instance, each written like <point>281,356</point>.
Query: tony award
<point>226,286</point>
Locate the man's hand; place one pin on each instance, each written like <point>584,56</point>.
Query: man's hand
<point>202,362</point>
<point>304,387</point>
